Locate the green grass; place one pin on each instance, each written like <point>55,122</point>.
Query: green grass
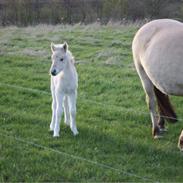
<point>112,117</point>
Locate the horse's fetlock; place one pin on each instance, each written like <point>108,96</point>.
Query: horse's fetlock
<point>155,131</point>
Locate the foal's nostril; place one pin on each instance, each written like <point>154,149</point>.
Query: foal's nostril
<point>53,72</point>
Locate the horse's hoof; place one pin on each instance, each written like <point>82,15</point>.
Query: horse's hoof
<point>180,142</point>
<point>181,149</point>
<point>180,146</point>
<point>156,132</point>
<point>163,130</point>
<point>158,137</point>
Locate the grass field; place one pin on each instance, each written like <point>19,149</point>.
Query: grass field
<point>114,141</point>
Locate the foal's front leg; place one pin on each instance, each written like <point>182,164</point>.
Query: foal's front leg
<point>59,110</point>
<point>52,124</point>
<point>72,110</point>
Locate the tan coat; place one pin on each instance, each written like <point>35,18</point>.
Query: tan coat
<point>158,47</point>
<point>158,56</point>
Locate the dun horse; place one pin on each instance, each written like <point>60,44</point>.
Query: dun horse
<point>158,56</point>
<point>64,82</point>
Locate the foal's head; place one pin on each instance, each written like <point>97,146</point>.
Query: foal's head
<point>59,58</point>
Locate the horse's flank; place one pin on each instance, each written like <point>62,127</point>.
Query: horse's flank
<point>160,53</point>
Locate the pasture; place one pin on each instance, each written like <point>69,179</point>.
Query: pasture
<point>114,141</point>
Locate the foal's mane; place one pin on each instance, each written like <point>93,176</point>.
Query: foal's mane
<point>70,57</point>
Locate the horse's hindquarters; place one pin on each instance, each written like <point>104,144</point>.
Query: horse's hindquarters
<point>158,57</point>
<point>180,142</point>
<point>163,61</point>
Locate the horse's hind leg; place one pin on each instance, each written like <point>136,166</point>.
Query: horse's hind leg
<point>150,99</point>
<point>165,108</point>
<point>161,123</point>
<point>180,142</point>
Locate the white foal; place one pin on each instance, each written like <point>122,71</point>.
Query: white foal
<point>64,82</point>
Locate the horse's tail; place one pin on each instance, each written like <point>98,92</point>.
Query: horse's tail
<point>165,108</point>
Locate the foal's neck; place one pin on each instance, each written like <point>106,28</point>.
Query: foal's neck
<point>69,63</point>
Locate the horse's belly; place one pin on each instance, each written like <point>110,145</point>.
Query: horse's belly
<point>171,89</point>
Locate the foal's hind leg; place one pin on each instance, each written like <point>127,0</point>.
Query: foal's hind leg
<point>150,99</point>
<point>66,111</point>
<point>72,110</point>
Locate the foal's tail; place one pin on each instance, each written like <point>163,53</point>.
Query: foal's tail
<point>165,108</point>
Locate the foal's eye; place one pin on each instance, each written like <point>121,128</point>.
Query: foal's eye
<point>61,59</point>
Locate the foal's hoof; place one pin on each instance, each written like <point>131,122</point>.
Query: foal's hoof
<point>67,123</point>
<point>75,132</point>
<point>56,135</point>
<point>50,130</point>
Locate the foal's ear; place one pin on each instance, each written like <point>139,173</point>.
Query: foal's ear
<point>65,46</point>
<point>53,47</point>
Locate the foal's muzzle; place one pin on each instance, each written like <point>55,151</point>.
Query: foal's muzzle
<point>54,72</point>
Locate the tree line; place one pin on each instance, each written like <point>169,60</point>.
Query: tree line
<point>32,12</point>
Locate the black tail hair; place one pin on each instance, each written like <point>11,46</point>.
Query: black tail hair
<point>165,106</point>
